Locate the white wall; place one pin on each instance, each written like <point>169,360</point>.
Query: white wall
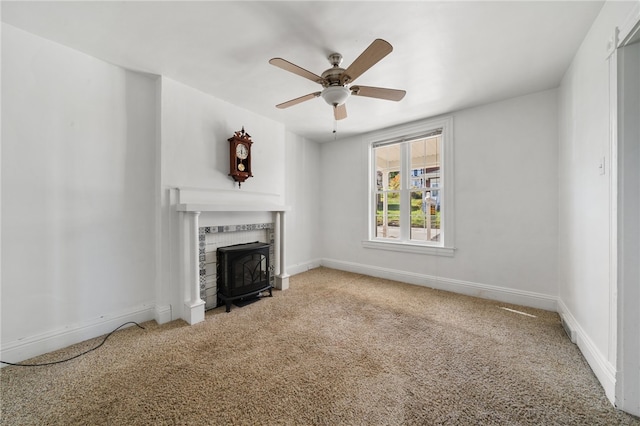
<point>303,192</point>
<point>505,199</point>
<point>78,185</point>
<point>195,150</point>
<point>586,289</point>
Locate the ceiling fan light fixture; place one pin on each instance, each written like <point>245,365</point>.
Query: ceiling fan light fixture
<point>335,95</point>
<point>335,80</point>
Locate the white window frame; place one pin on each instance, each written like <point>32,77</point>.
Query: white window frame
<point>444,247</point>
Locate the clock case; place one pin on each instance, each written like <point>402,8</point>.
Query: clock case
<point>240,169</point>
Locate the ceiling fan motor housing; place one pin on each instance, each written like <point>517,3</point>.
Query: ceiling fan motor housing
<point>332,77</point>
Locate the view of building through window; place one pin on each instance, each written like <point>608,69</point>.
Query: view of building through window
<point>408,185</point>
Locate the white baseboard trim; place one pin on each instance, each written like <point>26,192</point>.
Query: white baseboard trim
<point>193,313</point>
<point>29,347</point>
<point>602,368</point>
<point>484,291</point>
<point>163,314</point>
<point>303,267</point>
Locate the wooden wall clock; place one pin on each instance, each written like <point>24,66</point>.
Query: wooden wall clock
<point>240,156</point>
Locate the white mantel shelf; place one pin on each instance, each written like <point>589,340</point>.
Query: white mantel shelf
<point>256,207</point>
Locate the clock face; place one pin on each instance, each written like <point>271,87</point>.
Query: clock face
<point>241,151</point>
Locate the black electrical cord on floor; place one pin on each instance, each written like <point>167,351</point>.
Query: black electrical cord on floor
<point>76,356</point>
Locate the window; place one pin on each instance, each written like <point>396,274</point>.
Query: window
<point>411,205</point>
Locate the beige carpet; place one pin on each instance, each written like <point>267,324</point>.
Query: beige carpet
<point>336,348</point>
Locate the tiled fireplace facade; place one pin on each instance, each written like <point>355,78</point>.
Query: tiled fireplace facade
<point>212,237</point>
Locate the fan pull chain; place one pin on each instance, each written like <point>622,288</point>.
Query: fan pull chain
<point>335,129</point>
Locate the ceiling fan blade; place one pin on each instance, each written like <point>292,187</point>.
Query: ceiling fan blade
<point>378,92</point>
<point>372,54</point>
<point>340,112</point>
<point>296,101</point>
<point>288,66</point>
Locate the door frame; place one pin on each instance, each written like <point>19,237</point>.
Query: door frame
<point>625,210</point>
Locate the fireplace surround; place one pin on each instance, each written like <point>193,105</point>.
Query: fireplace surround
<point>198,208</point>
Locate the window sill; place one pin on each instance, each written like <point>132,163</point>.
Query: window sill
<point>409,248</point>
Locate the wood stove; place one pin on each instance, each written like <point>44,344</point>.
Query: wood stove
<point>242,272</point>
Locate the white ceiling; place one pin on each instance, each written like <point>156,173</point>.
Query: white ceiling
<point>447,55</point>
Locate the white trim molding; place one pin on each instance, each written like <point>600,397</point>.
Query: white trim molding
<point>469,288</point>
<point>625,232</point>
<point>409,248</point>
<point>42,343</point>
<point>303,267</point>
<point>602,368</point>
<point>162,314</point>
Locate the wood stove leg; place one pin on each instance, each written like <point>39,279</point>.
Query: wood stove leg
<point>228,305</point>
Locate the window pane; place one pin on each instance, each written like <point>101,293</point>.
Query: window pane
<point>425,161</point>
<point>387,160</point>
<point>394,180</point>
<point>379,213</point>
<point>425,217</point>
<point>388,215</point>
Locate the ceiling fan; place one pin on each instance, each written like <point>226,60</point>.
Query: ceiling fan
<point>336,81</point>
